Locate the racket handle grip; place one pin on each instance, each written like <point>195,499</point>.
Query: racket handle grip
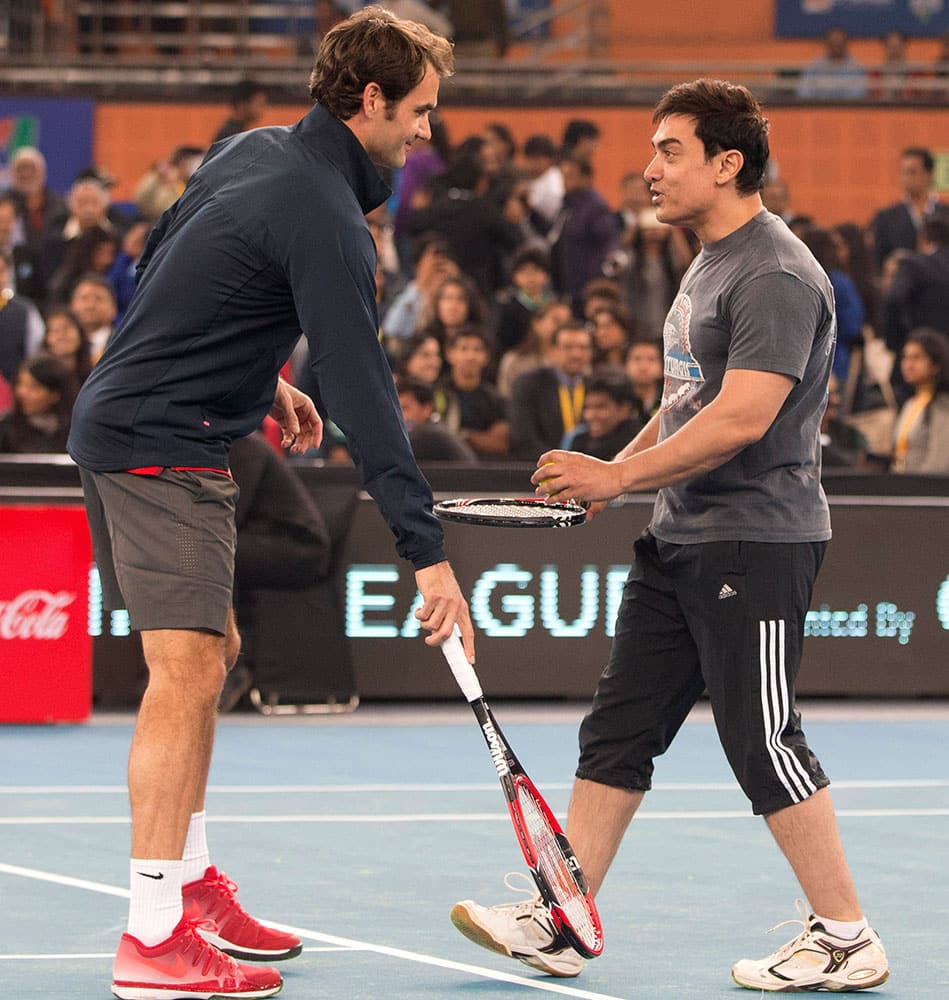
<point>464,672</point>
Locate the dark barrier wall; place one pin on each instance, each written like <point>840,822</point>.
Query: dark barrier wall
<point>544,601</point>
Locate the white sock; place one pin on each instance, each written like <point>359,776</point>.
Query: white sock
<point>195,857</point>
<point>845,929</point>
<point>155,907</point>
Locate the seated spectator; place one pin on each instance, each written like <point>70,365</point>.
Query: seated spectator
<point>66,341</point>
<point>644,366</point>
<point>849,308</point>
<point>918,293</point>
<point>456,304</point>
<point>92,252</point>
<point>612,416</point>
<point>581,137</point>
<point>424,160</point>
<point>535,350</point>
<point>835,75</point>
<point>658,256</point>
<point>21,326</point>
<point>898,226</point>
<point>26,275</point>
<point>462,211</point>
<point>528,291</point>
<point>474,408</point>
<point>431,439</point>
<point>88,203</point>
<point>841,444</point>
<point>283,543</point>
<point>432,264</point>
<point>891,80</point>
<point>248,102</point>
<point>544,181</point>
<point>93,302</point>
<point>165,181</point>
<point>121,274</point>
<point>612,333</point>
<point>40,209</point>
<point>547,403</point>
<point>921,442</point>
<point>423,358</point>
<point>389,280</point>
<point>584,234</point>
<point>600,293</point>
<point>39,421</point>
<point>497,155</point>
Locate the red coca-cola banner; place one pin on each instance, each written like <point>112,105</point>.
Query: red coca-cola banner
<point>45,648</point>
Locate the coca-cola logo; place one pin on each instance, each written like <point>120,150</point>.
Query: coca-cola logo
<point>35,614</point>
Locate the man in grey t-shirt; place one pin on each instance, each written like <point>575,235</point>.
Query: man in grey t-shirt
<point>722,579</point>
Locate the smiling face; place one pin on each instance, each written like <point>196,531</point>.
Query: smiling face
<point>388,130</point>
<point>33,398</point>
<point>62,337</point>
<point>681,181</point>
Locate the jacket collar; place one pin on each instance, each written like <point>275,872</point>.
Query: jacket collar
<point>327,135</point>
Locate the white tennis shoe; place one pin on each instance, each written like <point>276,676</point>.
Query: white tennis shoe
<point>816,960</point>
<point>521,930</point>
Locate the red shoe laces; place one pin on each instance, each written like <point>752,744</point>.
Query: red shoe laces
<point>215,961</point>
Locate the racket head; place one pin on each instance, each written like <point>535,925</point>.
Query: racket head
<point>507,512</point>
<point>555,868</point>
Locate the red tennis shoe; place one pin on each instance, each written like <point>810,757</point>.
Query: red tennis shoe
<point>186,967</point>
<point>228,926</point>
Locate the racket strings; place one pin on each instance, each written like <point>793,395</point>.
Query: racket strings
<point>522,512</point>
<point>553,866</point>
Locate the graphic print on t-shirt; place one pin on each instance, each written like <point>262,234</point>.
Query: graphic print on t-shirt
<point>683,373</point>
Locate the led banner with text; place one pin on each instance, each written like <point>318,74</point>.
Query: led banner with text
<point>861,18</point>
<point>544,604</point>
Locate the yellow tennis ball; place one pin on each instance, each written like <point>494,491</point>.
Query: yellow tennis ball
<point>544,482</point>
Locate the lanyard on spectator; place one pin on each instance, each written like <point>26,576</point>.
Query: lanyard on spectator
<point>571,405</point>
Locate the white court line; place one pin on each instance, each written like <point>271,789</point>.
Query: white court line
<point>340,942</point>
<point>493,817</point>
<point>399,789</point>
<point>67,956</point>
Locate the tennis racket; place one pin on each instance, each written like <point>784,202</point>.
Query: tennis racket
<point>523,512</point>
<point>543,843</point>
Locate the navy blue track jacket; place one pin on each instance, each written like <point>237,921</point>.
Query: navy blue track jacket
<point>268,239</point>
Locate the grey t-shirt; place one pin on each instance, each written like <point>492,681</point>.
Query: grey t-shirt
<point>756,300</point>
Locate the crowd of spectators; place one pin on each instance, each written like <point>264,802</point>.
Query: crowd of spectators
<point>521,307</point>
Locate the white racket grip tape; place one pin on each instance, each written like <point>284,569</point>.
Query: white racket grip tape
<point>464,672</point>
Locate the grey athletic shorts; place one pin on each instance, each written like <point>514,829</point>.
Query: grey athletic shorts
<point>164,546</point>
<point>726,617</point>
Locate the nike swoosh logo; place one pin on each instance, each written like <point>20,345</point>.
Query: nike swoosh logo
<point>158,876</point>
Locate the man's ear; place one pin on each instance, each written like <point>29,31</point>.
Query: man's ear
<point>729,167</point>
<point>373,100</point>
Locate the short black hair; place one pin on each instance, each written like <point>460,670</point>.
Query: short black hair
<point>578,129</point>
<point>471,330</point>
<point>540,145</point>
<point>420,391</point>
<point>429,241</point>
<point>614,383</point>
<point>245,90</point>
<point>923,154</point>
<point>936,345</point>
<point>726,116</point>
<point>531,255</point>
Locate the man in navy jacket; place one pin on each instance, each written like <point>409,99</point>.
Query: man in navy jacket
<point>268,240</point>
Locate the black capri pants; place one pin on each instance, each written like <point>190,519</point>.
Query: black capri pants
<point>726,617</point>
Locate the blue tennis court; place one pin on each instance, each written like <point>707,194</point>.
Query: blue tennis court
<point>360,832</point>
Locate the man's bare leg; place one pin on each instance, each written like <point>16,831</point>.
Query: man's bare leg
<point>174,733</point>
<point>807,834</point>
<point>596,821</point>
